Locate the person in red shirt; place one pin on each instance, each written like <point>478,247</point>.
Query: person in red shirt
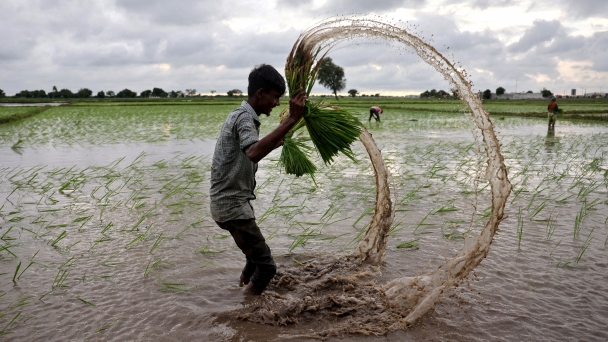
<point>552,109</point>
<point>375,112</point>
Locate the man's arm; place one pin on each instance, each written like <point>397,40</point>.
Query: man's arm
<point>257,151</point>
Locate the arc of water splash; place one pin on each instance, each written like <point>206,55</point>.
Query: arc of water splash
<point>419,293</point>
<point>372,246</point>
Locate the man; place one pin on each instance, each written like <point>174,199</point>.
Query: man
<point>552,109</point>
<point>235,162</point>
<point>375,112</point>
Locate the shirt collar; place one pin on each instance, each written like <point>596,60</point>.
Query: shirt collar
<point>247,107</point>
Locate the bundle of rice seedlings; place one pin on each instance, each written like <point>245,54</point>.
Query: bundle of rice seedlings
<point>295,156</point>
<point>331,129</point>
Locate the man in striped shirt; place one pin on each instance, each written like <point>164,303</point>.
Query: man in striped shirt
<point>235,162</point>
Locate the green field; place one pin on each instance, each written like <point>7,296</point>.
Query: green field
<point>108,200</point>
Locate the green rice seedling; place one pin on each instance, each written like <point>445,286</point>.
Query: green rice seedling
<point>137,238</point>
<point>330,212</point>
<point>136,225</point>
<point>100,240</point>
<point>366,212</point>
<point>578,220</point>
<point>538,209</point>
<point>303,238</point>
<point>585,191</point>
<point>60,279</point>
<point>18,145</point>
<point>553,250</point>
<point>221,236</point>
<point>563,264</point>
<point>59,238</point>
<point>520,228</point>
<point>83,219</point>
<point>411,244</point>
<point>393,229</point>
<point>454,235</point>
<point>7,249</point>
<point>447,208</point>
<point>107,227</point>
<point>69,263</point>
<point>584,246</point>
<point>173,287</point>
<point>152,265</point>
<point>356,238</point>
<point>156,243</point>
<point>421,223</point>
<point>107,325</point>
<point>16,270</point>
<point>85,301</point>
<point>564,199</point>
<point>4,330</point>
<point>550,226</point>
<point>5,236</point>
<point>206,250</point>
<point>28,266</point>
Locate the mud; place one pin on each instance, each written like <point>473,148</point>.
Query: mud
<point>336,296</point>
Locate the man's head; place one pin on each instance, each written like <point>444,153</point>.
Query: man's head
<point>553,98</point>
<point>265,88</point>
<point>265,77</point>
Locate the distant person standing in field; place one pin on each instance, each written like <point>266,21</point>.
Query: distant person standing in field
<point>374,112</point>
<point>552,109</point>
<point>235,162</point>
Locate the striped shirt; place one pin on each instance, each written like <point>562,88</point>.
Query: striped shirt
<point>232,173</point>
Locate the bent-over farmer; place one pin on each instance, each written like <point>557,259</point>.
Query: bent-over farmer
<point>374,112</point>
<point>235,162</point>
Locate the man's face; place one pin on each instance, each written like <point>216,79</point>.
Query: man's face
<point>269,100</point>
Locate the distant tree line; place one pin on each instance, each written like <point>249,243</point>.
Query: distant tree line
<point>487,94</point>
<point>85,93</point>
<point>438,94</point>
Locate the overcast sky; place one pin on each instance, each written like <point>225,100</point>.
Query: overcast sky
<point>212,45</point>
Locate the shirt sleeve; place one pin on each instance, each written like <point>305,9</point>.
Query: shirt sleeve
<point>245,130</point>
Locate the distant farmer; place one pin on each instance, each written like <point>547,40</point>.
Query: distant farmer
<point>375,112</point>
<point>552,109</point>
<point>235,162</point>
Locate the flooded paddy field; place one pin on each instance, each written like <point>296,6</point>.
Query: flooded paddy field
<point>106,233</point>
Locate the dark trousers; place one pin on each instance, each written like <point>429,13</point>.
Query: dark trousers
<point>260,266</point>
<point>373,113</point>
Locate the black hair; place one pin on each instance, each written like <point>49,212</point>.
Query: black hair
<point>266,77</point>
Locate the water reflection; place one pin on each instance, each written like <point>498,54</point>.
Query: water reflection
<point>550,140</point>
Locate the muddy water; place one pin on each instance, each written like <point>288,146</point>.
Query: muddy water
<point>173,275</point>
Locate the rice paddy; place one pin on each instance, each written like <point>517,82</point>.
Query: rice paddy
<point>106,234</point>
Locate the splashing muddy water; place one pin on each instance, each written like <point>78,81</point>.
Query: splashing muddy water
<point>332,291</point>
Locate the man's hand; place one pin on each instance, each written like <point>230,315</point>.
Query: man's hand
<point>296,106</point>
<point>256,151</point>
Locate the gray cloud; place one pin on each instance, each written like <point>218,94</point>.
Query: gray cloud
<point>484,4</point>
<point>112,44</point>
<point>182,13</point>
<point>333,7</point>
<point>541,31</point>
<point>584,9</point>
